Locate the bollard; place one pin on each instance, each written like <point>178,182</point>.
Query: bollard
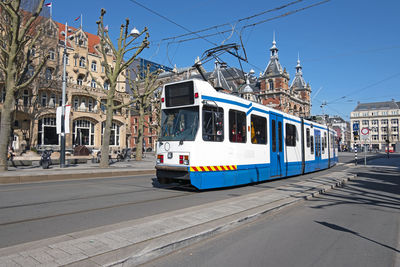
<point>355,154</point>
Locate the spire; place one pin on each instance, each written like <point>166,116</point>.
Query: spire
<point>273,68</point>
<point>298,81</point>
<point>274,49</point>
<point>298,67</point>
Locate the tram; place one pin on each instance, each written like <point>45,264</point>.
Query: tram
<point>211,139</point>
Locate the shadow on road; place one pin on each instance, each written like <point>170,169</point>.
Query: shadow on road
<point>343,229</point>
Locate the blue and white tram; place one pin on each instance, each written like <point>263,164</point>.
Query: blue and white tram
<point>211,139</point>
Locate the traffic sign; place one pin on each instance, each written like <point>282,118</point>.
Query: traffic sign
<point>356,127</point>
<point>364,131</point>
<point>364,134</point>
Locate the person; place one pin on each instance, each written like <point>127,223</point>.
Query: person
<point>236,134</point>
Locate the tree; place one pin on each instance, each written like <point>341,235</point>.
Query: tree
<point>114,70</point>
<point>19,32</point>
<point>143,91</point>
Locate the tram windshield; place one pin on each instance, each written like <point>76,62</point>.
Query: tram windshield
<point>179,124</point>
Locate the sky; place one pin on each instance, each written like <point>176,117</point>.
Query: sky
<point>349,50</point>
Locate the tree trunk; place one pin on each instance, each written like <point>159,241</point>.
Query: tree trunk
<point>5,129</point>
<point>104,161</point>
<point>139,145</point>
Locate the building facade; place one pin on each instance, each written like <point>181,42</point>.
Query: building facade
<point>35,118</point>
<point>382,120</point>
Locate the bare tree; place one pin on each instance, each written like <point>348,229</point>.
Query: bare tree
<point>19,32</point>
<point>114,70</point>
<point>143,91</point>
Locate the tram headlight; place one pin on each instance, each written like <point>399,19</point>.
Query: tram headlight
<point>160,159</point>
<point>186,160</point>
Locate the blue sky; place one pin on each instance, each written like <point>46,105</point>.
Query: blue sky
<point>349,50</point>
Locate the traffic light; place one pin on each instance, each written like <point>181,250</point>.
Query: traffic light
<point>356,136</point>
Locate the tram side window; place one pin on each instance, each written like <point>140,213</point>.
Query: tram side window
<point>237,126</point>
<point>213,124</point>
<point>258,130</point>
<point>308,137</point>
<point>290,134</point>
<point>312,144</point>
<point>323,143</point>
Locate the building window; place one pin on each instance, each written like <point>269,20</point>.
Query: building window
<point>82,62</point>
<point>25,98</point>
<point>47,134</point>
<point>290,134</point>
<point>79,81</point>
<point>31,70</point>
<point>83,133</point>
<point>49,73</point>
<point>384,122</point>
<point>135,129</point>
<point>395,129</point>
<point>44,99</point>
<point>213,124</point>
<point>115,133</point>
<point>394,121</point>
<point>76,103</point>
<point>375,137</point>
<point>384,129</point>
<point>258,130</point>
<point>271,84</point>
<point>374,122</point>
<point>94,66</point>
<point>93,83</point>
<point>52,54</point>
<point>365,122</point>
<point>237,126</point>
<point>90,104</point>
<point>106,85</point>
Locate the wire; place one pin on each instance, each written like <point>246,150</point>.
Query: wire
<point>366,87</point>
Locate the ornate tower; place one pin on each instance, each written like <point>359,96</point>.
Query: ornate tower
<point>303,90</point>
<point>274,82</point>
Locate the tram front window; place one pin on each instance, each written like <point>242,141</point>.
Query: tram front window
<point>179,124</point>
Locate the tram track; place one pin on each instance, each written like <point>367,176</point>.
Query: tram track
<point>92,209</point>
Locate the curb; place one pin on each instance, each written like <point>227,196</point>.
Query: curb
<point>19,179</point>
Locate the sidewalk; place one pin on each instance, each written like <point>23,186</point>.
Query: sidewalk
<point>35,173</point>
<point>134,242</point>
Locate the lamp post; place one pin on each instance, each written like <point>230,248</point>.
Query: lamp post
<point>64,85</point>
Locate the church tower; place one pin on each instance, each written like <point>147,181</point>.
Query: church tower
<point>302,90</point>
<point>274,82</point>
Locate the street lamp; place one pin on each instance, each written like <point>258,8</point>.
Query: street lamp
<point>64,85</point>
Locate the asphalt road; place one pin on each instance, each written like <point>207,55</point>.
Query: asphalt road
<point>30,212</point>
<point>357,225</point>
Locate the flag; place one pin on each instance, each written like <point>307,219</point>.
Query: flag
<point>48,4</point>
<point>77,18</point>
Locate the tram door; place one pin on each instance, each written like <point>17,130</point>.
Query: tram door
<point>317,134</point>
<point>276,148</point>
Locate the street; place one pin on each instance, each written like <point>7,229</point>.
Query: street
<point>35,211</point>
<point>357,225</point>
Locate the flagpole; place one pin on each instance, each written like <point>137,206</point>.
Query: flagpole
<point>51,11</point>
<point>81,21</point>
